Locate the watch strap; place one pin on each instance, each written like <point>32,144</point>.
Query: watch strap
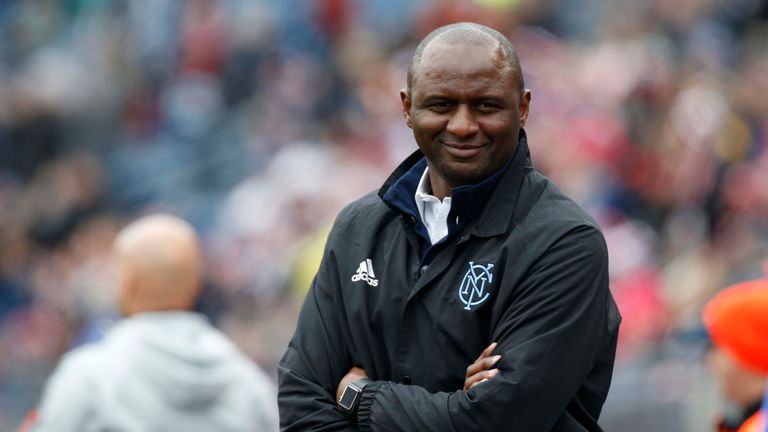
<point>357,387</point>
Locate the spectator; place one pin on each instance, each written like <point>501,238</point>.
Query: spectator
<point>737,322</point>
<point>163,367</point>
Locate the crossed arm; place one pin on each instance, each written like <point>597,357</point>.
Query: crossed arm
<point>479,371</point>
<point>548,341</point>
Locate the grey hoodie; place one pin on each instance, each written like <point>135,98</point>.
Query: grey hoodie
<point>165,371</point>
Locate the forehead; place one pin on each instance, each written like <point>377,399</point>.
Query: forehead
<point>462,66</point>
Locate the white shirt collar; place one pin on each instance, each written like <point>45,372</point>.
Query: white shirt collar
<point>433,212</point>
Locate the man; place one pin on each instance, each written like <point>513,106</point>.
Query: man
<point>163,368</point>
<point>469,294</point>
<point>737,323</point>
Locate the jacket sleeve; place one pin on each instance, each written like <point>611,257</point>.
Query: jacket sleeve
<point>549,339</point>
<point>315,361</point>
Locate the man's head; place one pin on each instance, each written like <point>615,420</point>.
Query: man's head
<point>159,265</point>
<point>467,33</point>
<point>465,102</point>
<point>737,322</point>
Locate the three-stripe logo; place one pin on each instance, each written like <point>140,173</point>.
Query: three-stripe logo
<point>365,273</point>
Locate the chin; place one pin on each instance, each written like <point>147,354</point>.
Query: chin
<point>462,175</point>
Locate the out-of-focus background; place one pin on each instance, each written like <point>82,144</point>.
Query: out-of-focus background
<point>259,120</point>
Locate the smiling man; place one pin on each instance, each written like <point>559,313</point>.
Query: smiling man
<point>468,294</point>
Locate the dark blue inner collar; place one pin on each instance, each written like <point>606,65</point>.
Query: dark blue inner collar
<point>467,202</point>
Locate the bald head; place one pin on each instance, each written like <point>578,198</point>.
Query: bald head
<point>465,33</point>
<point>160,265</point>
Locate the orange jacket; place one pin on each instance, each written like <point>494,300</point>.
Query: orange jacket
<point>756,423</point>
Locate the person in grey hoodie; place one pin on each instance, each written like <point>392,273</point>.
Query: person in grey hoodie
<point>162,368</point>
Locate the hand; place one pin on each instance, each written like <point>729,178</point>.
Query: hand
<point>480,370</point>
<point>353,375</point>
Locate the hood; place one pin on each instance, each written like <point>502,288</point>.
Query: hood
<point>179,355</point>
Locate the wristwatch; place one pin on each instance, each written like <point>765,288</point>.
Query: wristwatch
<point>350,398</point>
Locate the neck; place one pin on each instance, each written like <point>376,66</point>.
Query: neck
<point>441,188</point>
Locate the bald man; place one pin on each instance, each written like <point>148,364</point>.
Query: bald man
<point>162,368</point>
<point>469,293</point>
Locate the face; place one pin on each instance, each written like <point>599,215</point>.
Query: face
<point>466,109</point>
<point>740,386</point>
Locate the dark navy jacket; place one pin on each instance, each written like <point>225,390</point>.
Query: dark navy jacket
<point>529,270</point>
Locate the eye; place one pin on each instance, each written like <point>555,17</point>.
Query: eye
<point>488,107</point>
<point>441,106</point>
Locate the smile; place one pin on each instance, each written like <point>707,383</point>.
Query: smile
<point>463,151</point>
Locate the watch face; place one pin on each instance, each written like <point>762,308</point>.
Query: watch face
<point>349,397</point>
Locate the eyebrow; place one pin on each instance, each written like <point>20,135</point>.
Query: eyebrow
<point>501,98</point>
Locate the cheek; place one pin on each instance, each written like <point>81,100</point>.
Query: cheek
<point>428,122</point>
<point>718,365</point>
<point>736,385</point>
<point>501,126</point>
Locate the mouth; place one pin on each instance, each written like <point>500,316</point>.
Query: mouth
<point>463,151</point>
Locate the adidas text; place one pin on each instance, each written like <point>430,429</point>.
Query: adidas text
<point>365,273</point>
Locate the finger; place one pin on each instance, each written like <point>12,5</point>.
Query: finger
<point>488,350</point>
<point>486,375</point>
<point>479,377</point>
<point>482,364</point>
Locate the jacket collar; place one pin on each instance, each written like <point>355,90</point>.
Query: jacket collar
<point>492,199</point>
<point>500,212</point>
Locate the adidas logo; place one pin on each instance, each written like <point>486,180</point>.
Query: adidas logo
<point>365,273</point>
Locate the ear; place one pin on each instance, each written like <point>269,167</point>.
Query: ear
<point>405,98</point>
<point>525,103</point>
<point>127,286</point>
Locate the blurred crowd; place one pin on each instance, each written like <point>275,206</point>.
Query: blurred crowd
<point>259,120</point>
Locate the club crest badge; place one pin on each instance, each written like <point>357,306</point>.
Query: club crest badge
<point>472,291</point>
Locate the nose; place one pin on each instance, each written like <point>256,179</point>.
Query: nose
<point>462,122</point>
